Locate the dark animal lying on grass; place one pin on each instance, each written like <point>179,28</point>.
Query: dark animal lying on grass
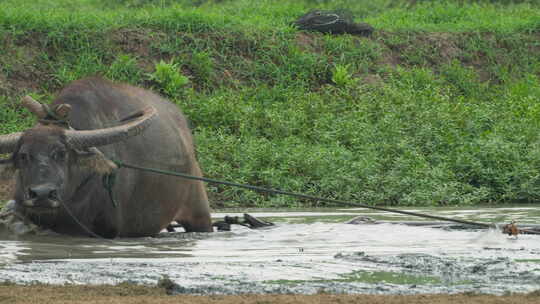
<point>59,171</point>
<point>333,22</point>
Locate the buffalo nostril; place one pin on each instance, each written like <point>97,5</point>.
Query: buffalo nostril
<point>53,195</point>
<point>42,191</point>
<point>31,194</point>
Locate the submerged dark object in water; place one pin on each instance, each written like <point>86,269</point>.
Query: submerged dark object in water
<point>433,224</point>
<point>248,221</point>
<point>225,225</point>
<point>333,22</point>
<point>511,229</point>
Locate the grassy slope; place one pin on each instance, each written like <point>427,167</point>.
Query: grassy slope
<point>439,107</point>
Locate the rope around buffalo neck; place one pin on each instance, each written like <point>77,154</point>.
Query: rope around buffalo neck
<point>121,164</point>
<point>86,229</point>
<point>83,226</point>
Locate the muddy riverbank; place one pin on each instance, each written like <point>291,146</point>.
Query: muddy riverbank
<point>128,293</point>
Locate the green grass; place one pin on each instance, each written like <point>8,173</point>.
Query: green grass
<point>439,107</point>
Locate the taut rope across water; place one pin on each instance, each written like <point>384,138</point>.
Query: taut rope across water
<point>121,164</point>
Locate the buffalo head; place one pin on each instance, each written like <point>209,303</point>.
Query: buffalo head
<point>50,157</point>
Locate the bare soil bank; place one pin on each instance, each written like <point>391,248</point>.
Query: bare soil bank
<point>126,293</point>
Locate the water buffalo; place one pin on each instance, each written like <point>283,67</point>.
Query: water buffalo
<point>59,171</point>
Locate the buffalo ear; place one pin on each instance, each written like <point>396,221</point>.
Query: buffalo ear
<point>7,169</point>
<point>62,110</point>
<point>94,160</point>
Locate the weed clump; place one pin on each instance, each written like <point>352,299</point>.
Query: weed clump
<point>169,78</point>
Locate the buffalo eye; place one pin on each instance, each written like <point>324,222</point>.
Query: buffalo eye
<point>59,155</point>
<point>24,157</point>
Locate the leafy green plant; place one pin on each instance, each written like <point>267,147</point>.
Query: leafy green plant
<point>169,78</point>
<point>341,76</point>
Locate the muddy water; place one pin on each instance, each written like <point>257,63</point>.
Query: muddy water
<point>306,252</point>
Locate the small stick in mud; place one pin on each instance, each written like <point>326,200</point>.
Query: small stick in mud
<point>511,229</point>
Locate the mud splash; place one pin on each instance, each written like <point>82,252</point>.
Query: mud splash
<point>306,252</point>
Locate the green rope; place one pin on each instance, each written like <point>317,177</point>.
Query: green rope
<point>108,182</point>
<point>298,195</point>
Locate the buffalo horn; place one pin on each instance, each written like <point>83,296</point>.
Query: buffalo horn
<point>80,139</point>
<point>8,142</point>
<point>33,106</point>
